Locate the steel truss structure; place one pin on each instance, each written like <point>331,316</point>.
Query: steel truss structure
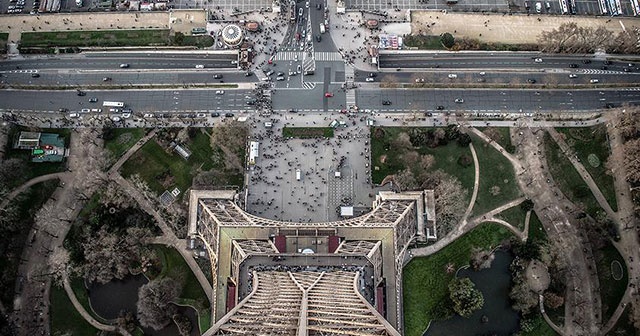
<point>305,300</point>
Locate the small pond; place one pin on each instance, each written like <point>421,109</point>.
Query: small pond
<point>494,283</point>
<point>107,300</point>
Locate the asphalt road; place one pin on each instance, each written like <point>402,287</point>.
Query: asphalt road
<point>100,61</point>
<point>517,77</point>
<point>498,60</point>
<point>124,77</point>
<point>402,100</point>
<point>484,100</point>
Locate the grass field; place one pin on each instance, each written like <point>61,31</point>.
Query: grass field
<point>497,183</point>
<point>536,231</point>
<point>4,39</point>
<point>307,132</point>
<point>446,157</point>
<point>540,327</point>
<point>425,280</point>
<point>122,139</point>
<point>515,216</point>
<point>593,140</point>
<point>164,170</point>
<point>97,38</point>
<point>568,179</point>
<point>625,325</point>
<point>611,290</point>
<point>504,140</point>
<point>65,320</point>
<point>429,42</point>
<point>173,264</point>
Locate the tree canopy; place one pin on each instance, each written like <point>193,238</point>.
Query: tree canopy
<point>466,298</point>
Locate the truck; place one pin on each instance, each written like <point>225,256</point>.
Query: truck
<point>298,175</point>
<point>322,29</point>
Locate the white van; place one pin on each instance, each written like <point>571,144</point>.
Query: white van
<point>200,66</point>
<point>73,115</point>
<point>594,80</point>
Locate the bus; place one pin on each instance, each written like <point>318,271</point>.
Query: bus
<point>198,31</point>
<point>113,104</point>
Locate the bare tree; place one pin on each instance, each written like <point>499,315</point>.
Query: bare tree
<point>632,160</point>
<point>58,263</point>
<point>155,307</point>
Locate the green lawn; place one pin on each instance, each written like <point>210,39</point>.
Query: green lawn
<point>611,290</point>
<point>173,263</point>
<point>4,39</point>
<point>429,42</point>
<point>121,139</point>
<point>504,140</point>
<point>515,216</point>
<point>497,183</point>
<point>65,320</point>
<point>593,140</point>
<point>164,170</point>
<point>536,231</point>
<point>307,132</point>
<point>539,325</point>
<point>568,179</point>
<point>425,280</point>
<point>446,157</point>
<point>100,38</point>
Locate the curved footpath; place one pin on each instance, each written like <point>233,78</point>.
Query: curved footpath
<point>62,176</point>
<point>84,313</point>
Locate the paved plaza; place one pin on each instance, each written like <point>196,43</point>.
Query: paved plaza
<point>274,191</point>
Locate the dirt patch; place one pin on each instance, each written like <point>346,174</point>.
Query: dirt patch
<point>515,29</point>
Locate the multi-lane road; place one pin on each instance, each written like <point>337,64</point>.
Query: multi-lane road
<point>402,100</point>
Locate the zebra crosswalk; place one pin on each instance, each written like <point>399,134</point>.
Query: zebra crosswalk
<point>327,56</point>
<point>288,55</point>
<point>308,85</point>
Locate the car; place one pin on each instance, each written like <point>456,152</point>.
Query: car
<point>482,73</point>
<point>248,74</point>
<point>309,72</point>
<point>573,76</point>
<point>373,74</point>
<point>318,38</point>
<point>201,115</point>
<point>318,6</point>
<point>215,114</point>
<point>538,7</point>
<point>295,58</point>
<point>452,76</point>
<point>126,115</point>
<point>96,110</point>
<point>219,92</point>
<point>370,79</point>
<point>85,110</point>
<point>299,68</point>
<point>531,81</point>
<point>124,65</point>
<point>626,69</point>
<point>594,81</point>
<point>269,73</point>
<point>35,75</point>
<point>217,76</point>
<point>604,67</point>
<point>292,73</point>
<point>439,107</point>
<point>148,115</point>
<point>573,65</point>
<point>200,66</point>
<point>607,62</point>
<point>114,110</point>
<point>280,78</point>
<point>81,93</point>
<point>127,110</point>
<point>481,80</point>
<point>63,109</point>
<point>115,118</point>
<point>229,115</point>
<point>74,115</point>
<point>459,100</point>
<point>586,61</point>
<point>293,111</point>
<point>538,60</point>
<point>251,102</point>
<point>234,62</point>
<point>280,74</point>
<point>328,94</point>
<point>106,79</point>
<point>93,100</point>
<point>419,80</point>
<point>386,102</point>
